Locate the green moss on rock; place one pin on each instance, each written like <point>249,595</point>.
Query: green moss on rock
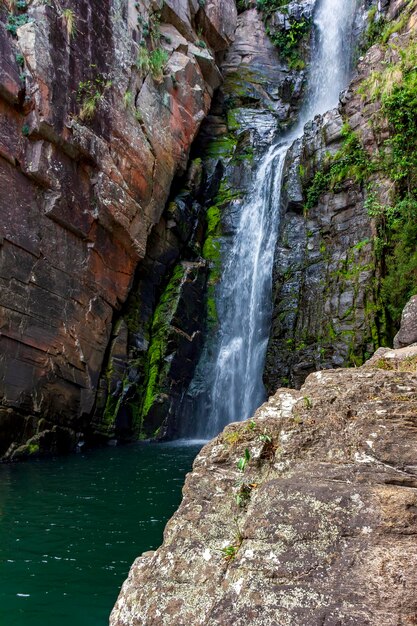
<point>157,365</point>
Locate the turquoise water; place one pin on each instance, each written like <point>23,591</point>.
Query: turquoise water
<point>70,529</point>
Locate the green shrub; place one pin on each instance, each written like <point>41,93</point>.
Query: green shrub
<point>350,162</point>
<point>400,259</point>
<point>157,60</point>
<point>89,94</point>
<point>288,42</point>
<point>153,62</point>
<point>268,6</point>
<point>15,21</point>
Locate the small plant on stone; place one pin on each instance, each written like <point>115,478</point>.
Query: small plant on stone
<point>265,438</point>
<point>243,494</point>
<point>15,21</point>
<point>232,438</point>
<point>307,402</point>
<point>157,60</point>
<point>229,552</point>
<point>128,99</point>
<point>142,61</point>
<point>68,17</point>
<point>89,95</point>
<point>243,461</point>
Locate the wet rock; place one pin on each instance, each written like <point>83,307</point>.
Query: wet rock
<point>266,545</point>
<point>256,75</point>
<point>324,266</point>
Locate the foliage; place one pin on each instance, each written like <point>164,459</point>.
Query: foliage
<point>157,60</point>
<point>243,461</point>
<point>159,336</point>
<point>400,281</point>
<point>243,495</point>
<point>400,108</point>
<point>89,94</point>
<point>350,162</point>
<point>395,87</point>
<point>68,17</point>
<point>128,99</point>
<point>243,5</point>
<point>229,552</point>
<point>374,30</point>
<point>269,6</point>
<point>15,21</point>
<point>288,41</point>
<point>153,62</point>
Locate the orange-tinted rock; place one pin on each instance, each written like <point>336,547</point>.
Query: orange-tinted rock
<point>80,192</point>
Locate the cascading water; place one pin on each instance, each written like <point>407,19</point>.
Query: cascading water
<point>234,389</point>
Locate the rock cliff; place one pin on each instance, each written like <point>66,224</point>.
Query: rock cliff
<point>304,515</point>
<point>99,105</point>
<point>146,389</point>
<point>340,280</point>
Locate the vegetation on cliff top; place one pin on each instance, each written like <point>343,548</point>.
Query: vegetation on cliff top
<point>288,39</point>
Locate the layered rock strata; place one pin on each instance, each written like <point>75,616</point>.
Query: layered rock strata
<point>144,390</point>
<point>99,104</point>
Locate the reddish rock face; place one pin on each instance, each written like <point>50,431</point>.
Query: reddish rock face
<point>90,140</point>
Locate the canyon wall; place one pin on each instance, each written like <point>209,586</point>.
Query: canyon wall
<point>99,104</point>
<point>306,513</point>
<point>130,137</point>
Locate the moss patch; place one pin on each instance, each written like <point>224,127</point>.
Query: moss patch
<point>157,365</point>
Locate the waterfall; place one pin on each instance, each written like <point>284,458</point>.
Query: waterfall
<point>231,388</point>
<point>332,56</point>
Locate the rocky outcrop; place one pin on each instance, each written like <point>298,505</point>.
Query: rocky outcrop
<point>257,76</point>
<point>99,102</point>
<point>407,334</point>
<point>304,515</point>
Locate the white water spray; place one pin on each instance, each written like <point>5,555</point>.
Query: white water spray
<point>233,389</point>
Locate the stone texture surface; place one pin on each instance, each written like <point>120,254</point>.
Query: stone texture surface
<point>408,330</point>
<point>325,528</point>
<point>255,74</point>
<point>90,142</point>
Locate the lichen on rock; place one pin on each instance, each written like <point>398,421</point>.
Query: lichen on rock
<point>327,526</point>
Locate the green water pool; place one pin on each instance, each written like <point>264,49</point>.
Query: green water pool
<point>71,527</point>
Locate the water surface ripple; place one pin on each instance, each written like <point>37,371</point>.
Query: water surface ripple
<point>71,528</point>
